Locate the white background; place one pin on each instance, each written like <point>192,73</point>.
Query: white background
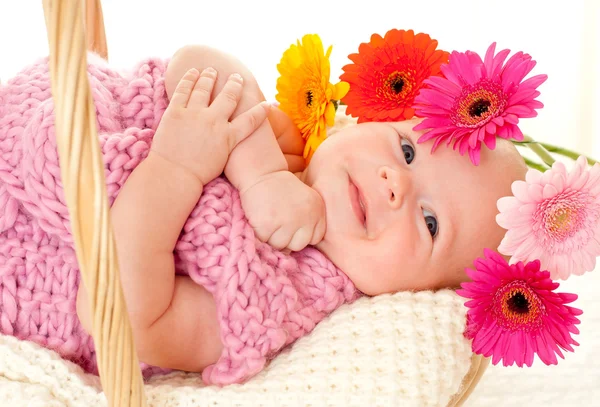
<point>563,36</point>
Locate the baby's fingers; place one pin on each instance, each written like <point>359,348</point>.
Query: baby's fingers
<point>300,240</point>
<point>226,101</point>
<point>184,89</point>
<point>245,124</point>
<point>203,89</point>
<point>280,239</point>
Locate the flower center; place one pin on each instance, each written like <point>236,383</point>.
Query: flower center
<point>478,104</point>
<point>479,107</point>
<point>562,216</point>
<point>309,98</point>
<point>516,306</point>
<point>396,85</point>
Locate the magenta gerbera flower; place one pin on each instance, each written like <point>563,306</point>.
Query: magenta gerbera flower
<point>514,312</point>
<point>554,217</point>
<point>477,101</point>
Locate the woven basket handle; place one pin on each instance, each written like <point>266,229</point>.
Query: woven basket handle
<point>82,173</point>
<point>94,28</point>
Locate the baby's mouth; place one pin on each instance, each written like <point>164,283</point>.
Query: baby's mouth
<point>357,202</point>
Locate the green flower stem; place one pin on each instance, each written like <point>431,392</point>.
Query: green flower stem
<point>543,151</point>
<point>567,153</point>
<point>534,165</point>
<point>538,149</point>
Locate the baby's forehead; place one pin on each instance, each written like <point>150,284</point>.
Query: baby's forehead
<point>406,125</point>
<point>405,128</point>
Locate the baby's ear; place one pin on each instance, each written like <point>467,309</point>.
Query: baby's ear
<point>341,120</point>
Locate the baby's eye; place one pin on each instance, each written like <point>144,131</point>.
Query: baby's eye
<point>431,222</point>
<point>408,150</point>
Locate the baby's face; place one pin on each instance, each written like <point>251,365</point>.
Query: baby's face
<point>401,218</point>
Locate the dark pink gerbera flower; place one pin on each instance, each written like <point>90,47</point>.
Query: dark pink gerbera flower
<point>515,313</point>
<point>477,101</point>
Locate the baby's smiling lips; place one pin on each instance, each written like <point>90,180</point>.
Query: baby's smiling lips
<point>357,203</point>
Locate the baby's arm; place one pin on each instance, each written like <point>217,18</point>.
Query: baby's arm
<point>283,210</point>
<point>173,319</point>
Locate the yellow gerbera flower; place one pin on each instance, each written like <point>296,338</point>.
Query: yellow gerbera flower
<point>304,91</point>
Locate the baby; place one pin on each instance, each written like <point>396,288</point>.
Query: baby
<point>387,212</point>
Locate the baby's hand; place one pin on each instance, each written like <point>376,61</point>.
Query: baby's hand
<point>196,134</point>
<point>284,211</point>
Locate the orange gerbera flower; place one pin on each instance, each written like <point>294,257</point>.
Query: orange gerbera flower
<point>388,73</point>
<point>304,91</point>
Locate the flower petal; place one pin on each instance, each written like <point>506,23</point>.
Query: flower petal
<point>340,90</point>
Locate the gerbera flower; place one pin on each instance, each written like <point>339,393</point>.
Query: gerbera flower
<point>304,91</point>
<point>514,312</point>
<point>477,101</point>
<point>554,217</point>
<point>388,73</point>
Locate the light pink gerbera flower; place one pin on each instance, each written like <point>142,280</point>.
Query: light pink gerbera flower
<point>477,101</point>
<point>554,217</point>
<point>514,312</point>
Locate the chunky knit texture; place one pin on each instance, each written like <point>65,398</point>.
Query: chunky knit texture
<point>405,349</point>
<point>265,298</point>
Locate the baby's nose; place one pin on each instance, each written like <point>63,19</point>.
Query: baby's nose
<point>397,184</point>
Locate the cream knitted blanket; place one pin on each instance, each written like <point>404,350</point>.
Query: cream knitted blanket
<point>405,349</point>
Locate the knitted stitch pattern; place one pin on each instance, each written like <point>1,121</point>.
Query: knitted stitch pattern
<point>406,349</point>
<point>265,299</point>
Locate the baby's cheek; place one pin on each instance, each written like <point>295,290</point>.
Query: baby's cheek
<point>449,273</point>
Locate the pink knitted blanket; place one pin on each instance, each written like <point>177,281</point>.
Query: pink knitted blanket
<point>265,299</point>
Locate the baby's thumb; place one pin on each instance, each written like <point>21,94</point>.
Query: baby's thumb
<point>246,123</point>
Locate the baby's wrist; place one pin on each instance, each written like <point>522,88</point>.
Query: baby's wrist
<point>251,172</point>
<point>251,182</point>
